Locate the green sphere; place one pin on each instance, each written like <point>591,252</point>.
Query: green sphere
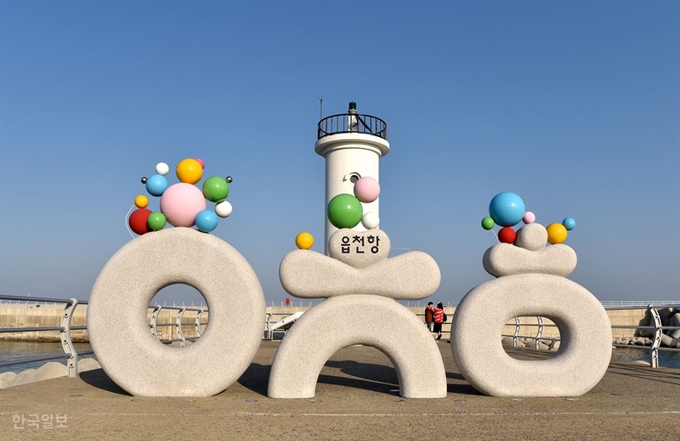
<point>215,189</point>
<point>156,221</point>
<point>345,211</point>
<point>488,223</point>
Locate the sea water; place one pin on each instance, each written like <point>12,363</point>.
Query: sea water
<point>668,359</point>
<point>12,350</point>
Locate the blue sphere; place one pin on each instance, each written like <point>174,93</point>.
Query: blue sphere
<point>156,185</point>
<point>569,223</point>
<point>507,209</point>
<point>206,220</point>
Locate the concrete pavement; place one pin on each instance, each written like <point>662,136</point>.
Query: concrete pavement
<point>356,399</point>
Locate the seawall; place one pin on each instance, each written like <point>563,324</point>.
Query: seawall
<point>23,315</point>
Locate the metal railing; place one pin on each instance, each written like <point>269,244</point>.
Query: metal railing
<point>538,338</point>
<point>657,327</point>
<point>71,355</point>
<point>181,338</point>
<point>631,304</point>
<point>293,304</point>
<point>269,321</point>
<point>352,123</point>
<point>66,326</point>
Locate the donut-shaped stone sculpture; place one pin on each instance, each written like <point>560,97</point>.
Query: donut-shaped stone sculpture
<point>117,314</point>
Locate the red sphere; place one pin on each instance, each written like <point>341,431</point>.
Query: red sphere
<point>507,235</point>
<point>137,221</point>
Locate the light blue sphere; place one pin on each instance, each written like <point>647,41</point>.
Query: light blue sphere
<point>569,223</point>
<point>507,209</point>
<point>206,220</point>
<point>156,185</point>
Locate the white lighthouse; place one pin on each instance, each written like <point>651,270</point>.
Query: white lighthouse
<point>352,145</point>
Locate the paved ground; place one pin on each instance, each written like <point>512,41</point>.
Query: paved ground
<point>355,400</point>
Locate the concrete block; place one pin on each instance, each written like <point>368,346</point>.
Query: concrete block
<point>674,321</point>
<point>117,311</point>
<point>47,371</point>
<point>358,319</point>
<point>577,366</point>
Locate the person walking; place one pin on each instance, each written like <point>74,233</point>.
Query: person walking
<point>429,316</point>
<point>439,318</point>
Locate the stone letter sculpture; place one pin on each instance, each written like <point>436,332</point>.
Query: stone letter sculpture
<point>361,285</point>
<point>530,282</point>
<point>117,310</point>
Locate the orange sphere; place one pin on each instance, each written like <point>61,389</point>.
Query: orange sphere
<point>141,201</point>
<point>557,233</point>
<point>304,241</point>
<point>189,171</point>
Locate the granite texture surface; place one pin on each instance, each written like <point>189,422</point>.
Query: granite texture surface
<point>117,314</point>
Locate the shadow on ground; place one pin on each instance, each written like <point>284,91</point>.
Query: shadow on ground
<point>98,378</point>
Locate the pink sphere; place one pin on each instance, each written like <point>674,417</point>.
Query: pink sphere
<point>200,161</point>
<point>367,189</point>
<point>529,218</point>
<point>181,203</point>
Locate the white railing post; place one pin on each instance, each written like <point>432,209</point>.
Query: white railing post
<point>154,318</point>
<point>66,342</point>
<point>180,314</point>
<point>198,322</point>
<point>539,333</point>
<point>654,350</point>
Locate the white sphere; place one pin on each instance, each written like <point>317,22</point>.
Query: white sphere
<point>223,209</point>
<point>370,220</point>
<point>162,168</point>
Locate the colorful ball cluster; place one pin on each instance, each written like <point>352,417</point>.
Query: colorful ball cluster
<point>507,209</point>
<point>346,210</point>
<point>182,204</point>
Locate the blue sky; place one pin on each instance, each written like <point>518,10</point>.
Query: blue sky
<point>573,105</point>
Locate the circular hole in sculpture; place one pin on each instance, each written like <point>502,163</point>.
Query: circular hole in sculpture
<point>535,339</point>
<point>178,303</point>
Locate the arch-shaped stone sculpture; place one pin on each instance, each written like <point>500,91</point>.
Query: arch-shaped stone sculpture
<point>346,320</point>
<point>360,290</point>
<point>117,314</point>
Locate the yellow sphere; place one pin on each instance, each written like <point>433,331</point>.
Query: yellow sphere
<point>304,241</point>
<point>189,171</point>
<point>557,233</point>
<point>141,201</point>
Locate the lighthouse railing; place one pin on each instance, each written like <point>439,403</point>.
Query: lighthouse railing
<point>352,123</point>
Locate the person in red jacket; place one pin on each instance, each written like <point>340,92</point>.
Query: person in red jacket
<point>439,318</point>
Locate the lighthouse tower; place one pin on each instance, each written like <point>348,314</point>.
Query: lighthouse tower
<point>352,145</point>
